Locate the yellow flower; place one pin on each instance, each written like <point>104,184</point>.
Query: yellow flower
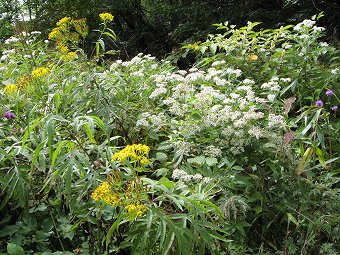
<point>39,72</point>
<point>253,57</point>
<point>24,81</point>
<point>136,209</point>
<point>11,88</point>
<point>70,55</point>
<point>138,152</point>
<point>103,193</point>
<point>81,27</point>
<point>62,48</point>
<point>55,34</point>
<point>63,21</point>
<point>106,17</point>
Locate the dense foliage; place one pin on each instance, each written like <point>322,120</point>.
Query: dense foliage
<point>237,155</point>
<point>159,26</point>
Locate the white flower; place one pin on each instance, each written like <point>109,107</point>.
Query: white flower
<point>8,52</point>
<point>212,151</point>
<point>287,46</point>
<point>306,23</point>
<point>234,95</point>
<point>318,29</point>
<point>271,97</point>
<point>142,123</point>
<point>197,177</point>
<point>193,69</point>
<point>138,73</point>
<point>248,81</point>
<point>11,40</point>
<point>220,82</point>
<point>158,91</point>
<point>276,121</point>
<point>3,57</point>
<point>157,120</point>
<point>178,174</point>
<point>194,76</point>
<point>335,71</point>
<point>256,132</point>
<point>323,44</point>
<point>303,36</point>
<point>207,180</point>
<point>236,72</point>
<point>285,79</point>
<point>182,72</point>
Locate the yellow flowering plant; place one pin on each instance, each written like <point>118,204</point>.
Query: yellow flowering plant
<point>106,17</point>
<point>129,195</point>
<point>40,72</point>
<point>100,44</point>
<point>10,89</point>
<point>64,36</point>
<point>138,153</point>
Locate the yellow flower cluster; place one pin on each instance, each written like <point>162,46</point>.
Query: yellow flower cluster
<point>137,152</point>
<point>136,209</point>
<point>70,55</point>
<point>253,57</point>
<point>24,81</point>
<point>81,27</point>
<point>104,193</point>
<point>68,32</point>
<point>10,88</point>
<point>106,17</point>
<point>55,33</point>
<point>64,21</point>
<point>62,48</point>
<point>39,72</point>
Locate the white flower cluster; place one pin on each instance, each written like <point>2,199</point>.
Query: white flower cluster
<point>335,71</point>
<point>216,102</point>
<point>212,151</point>
<point>272,87</point>
<point>151,120</point>
<point>218,63</point>
<point>6,54</point>
<point>160,90</point>
<point>305,25</point>
<point>137,62</point>
<point>12,39</point>
<point>181,175</point>
<point>276,121</point>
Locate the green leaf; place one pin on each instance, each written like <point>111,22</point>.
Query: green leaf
<point>14,249</point>
<point>211,161</point>
<point>292,219</point>
<point>162,157</point>
<point>167,183</point>
<point>304,160</point>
